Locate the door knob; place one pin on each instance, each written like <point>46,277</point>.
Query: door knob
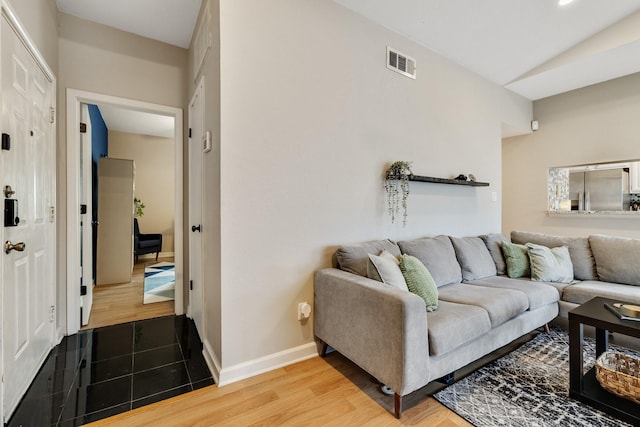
<point>195,228</point>
<point>8,191</point>
<point>8,247</point>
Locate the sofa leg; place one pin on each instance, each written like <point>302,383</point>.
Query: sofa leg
<point>397,405</point>
<point>157,253</point>
<point>323,348</point>
<point>447,379</point>
<point>546,328</point>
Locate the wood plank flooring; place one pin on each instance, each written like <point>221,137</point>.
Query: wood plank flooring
<point>317,392</point>
<point>120,303</point>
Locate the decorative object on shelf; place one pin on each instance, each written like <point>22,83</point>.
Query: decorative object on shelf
<point>138,207</point>
<point>396,184</point>
<point>472,177</point>
<point>460,177</point>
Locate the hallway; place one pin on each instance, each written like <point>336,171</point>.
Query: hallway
<point>101,372</point>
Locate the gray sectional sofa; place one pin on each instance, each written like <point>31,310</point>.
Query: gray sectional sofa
<point>388,332</point>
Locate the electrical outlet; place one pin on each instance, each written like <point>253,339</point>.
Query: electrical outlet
<point>304,310</point>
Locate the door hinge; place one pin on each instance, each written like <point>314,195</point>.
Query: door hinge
<point>52,115</point>
<point>6,142</point>
<point>83,128</point>
<point>52,313</point>
<point>83,209</point>
<point>189,132</point>
<point>83,290</point>
<point>52,213</point>
<point>190,285</point>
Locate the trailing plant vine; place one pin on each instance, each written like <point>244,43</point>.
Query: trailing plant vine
<point>396,184</point>
<point>138,207</point>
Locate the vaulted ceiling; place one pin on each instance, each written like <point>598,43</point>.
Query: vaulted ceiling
<point>535,48</point>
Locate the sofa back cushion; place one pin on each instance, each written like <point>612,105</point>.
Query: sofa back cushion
<point>584,265</point>
<point>492,242</point>
<point>474,258</point>
<point>617,259</point>
<point>354,258</point>
<point>438,255</point>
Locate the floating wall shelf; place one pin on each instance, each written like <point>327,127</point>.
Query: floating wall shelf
<point>420,178</point>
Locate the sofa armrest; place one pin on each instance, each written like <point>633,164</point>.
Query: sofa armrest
<point>380,328</point>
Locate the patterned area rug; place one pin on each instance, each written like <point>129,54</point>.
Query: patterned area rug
<point>527,387</point>
<point>159,282</point>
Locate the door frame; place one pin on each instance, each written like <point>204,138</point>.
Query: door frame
<point>74,99</point>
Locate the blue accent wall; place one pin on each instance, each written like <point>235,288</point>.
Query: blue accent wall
<point>99,148</point>
<point>99,134</point>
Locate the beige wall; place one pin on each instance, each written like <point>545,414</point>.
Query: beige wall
<point>100,59</point>
<point>310,119</point>
<point>590,125</point>
<point>154,179</point>
<point>40,18</point>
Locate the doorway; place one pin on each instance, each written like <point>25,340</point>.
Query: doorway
<point>75,101</point>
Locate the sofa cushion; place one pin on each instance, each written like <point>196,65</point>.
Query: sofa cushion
<point>500,304</point>
<point>617,259</point>
<point>581,292</point>
<point>385,268</point>
<point>474,258</point>
<point>438,255</point>
<point>539,294</point>
<point>419,281</point>
<point>354,258</point>
<point>584,266</point>
<point>550,264</point>
<point>453,325</point>
<point>517,258</point>
<point>492,242</point>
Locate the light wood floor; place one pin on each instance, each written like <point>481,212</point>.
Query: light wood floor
<point>113,304</point>
<point>317,392</point>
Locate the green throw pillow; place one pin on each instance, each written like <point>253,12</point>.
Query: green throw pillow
<point>517,259</point>
<point>419,280</point>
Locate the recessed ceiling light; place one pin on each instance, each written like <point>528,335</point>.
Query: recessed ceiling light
<point>564,2</point>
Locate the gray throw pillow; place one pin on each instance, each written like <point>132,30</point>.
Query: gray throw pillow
<point>474,258</point>
<point>617,259</point>
<point>438,255</point>
<point>492,242</point>
<point>354,258</point>
<point>419,281</point>
<point>550,264</point>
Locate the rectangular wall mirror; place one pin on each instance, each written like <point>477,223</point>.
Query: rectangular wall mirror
<point>597,187</point>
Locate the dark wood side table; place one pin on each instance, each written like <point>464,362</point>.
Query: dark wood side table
<point>586,388</point>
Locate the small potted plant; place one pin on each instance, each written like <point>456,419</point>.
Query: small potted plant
<point>138,207</point>
<point>396,184</point>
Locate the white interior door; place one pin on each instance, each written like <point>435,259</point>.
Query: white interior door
<point>86,232</point>
<point>196,293</point>
<point>28,166</point>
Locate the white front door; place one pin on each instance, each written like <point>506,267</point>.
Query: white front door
<point>86,213</point>
<point>196,293</point>
<point>28,167</point>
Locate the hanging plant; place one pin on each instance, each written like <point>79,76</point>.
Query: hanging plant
<point>396,184</point>
<point>138,207</point>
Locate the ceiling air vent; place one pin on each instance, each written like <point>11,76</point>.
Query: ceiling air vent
<point>401,63</point>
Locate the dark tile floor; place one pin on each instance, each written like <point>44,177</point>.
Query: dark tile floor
<point>105,371</point>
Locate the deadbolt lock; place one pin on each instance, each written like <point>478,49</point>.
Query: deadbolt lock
<point>8,191</point>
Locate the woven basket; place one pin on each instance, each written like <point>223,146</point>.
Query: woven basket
<point>619,374</point>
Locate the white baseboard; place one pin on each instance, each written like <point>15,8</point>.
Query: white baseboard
<point>212,361</point>
<point>267,363</point>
